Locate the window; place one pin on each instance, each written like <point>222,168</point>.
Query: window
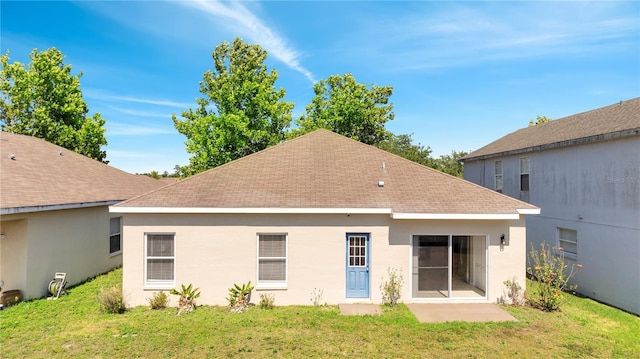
<point>115,238</point>
<point>272,259</point>
<point>524,174</point>
<point>160,259</point>
<point>568,240</point>
<point>498,173</point>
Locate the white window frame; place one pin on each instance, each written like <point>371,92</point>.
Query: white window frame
<point>525,172</point>
<point>498,175</point>
<point>560,243</point>
<point>159,284</point>
<point>111,235</point>
<point>272,284</point>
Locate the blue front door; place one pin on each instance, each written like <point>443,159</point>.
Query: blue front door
<point>357,265</point>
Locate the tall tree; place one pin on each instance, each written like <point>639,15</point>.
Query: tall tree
<point>44,100</point>
<point>349,108</point>
<point>241,111</point>
<point>402,145</point>
<point>451,163</point>
<point>539,119</point>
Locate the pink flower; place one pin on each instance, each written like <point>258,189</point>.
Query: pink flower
<point>560,249</point>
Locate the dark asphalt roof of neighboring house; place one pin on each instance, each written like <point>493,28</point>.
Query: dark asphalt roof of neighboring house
<point>36,173</point>
<point>617,120</point>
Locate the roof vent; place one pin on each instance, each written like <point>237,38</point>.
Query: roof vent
<point>11,157</point>
<point>60,153</point>
<point>380,184</point>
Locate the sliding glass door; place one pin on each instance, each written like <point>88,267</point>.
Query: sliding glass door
<point>447,266</point>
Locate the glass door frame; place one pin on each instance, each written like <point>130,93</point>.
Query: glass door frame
<point>450,275</point>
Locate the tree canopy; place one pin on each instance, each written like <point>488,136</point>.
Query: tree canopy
<point>539,119</point>
<point>241,112</point>
<point>402,145</point>
<point>349,108</point>
<point>451,163</point>
<point>43,99</point>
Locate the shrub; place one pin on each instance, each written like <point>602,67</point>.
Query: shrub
<point>239,297</point>
<point>550,277</point>
<point>392,288</point>
<point>110,300</point>
<point>187,301</point>
<point>316,297</point>
<point>515,293</point>
<point>267,301</point>
<point>159,300</point>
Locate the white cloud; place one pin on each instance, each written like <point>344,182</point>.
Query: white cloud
<point>104,96</point>
<point>249,24</point>
<point>451,35</point>
<point>121,129</point>
<point>167,103</point>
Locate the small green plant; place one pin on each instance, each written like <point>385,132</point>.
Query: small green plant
<point>239,297</point>
<point>550,277</point>
<point>392,288</point>
<point>188,296</point>
<point>515,294</point>
<point>267,300</point>
<point>316,297</point>
<point>158,300</point>
<point>110,300</point>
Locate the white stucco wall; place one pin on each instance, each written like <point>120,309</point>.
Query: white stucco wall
<point>592,188</point>
<point>215,251</point>
<point>36,245</point>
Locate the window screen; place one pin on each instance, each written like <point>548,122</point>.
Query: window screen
<point>498,173</point>
<point>272,258</point>
<point>568,240</point>
<point>160,257</point>
<point>115,238</point>
<point>524,174</point>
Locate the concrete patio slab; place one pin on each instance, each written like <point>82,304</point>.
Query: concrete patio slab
<point>359,309</point>
<point>462,312</point>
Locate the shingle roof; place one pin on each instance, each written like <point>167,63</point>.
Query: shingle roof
<point>326,170</point>
<point>620,119</point>
<point>36,173</point>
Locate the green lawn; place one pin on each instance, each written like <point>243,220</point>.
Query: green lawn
<point>73,326</point>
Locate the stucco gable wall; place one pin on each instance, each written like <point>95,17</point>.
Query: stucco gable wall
<point>215,251</point>
<point>74,241</point>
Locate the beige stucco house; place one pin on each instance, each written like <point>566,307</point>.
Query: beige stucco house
<point>323,213</point>
<point>54,214</point>
<point>583,171</point>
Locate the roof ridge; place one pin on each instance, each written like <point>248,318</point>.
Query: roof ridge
<point>595,124</point>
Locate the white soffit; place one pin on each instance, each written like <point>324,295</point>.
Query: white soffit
<point>205,210</point>
<point>455,216</point>
<point>529,211</point>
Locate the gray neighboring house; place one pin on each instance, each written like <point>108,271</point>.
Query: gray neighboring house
<point>54,214</point>
<point>583,171</point>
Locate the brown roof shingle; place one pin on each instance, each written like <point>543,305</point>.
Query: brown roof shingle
<point>36,173</point>
<point>620,119</point>
<point>326,170</point>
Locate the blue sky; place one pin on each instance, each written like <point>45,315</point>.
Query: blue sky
<point>463,73</point>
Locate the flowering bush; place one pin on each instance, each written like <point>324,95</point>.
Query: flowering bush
<point>550,277</point>
<point>392,288</point>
